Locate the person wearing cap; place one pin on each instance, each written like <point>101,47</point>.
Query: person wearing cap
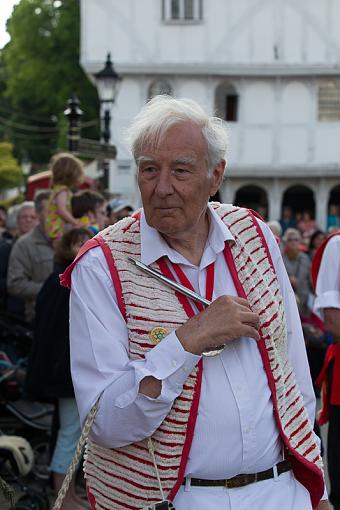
<point>178,426</point>
<point>118,209</point>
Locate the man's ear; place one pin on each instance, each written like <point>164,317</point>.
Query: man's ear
<point>217,177</point>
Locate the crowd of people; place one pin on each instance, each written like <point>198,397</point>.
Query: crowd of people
<point>40,239</point>
<point>301,242</point>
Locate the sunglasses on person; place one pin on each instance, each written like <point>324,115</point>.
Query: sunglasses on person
<point>296,239</point>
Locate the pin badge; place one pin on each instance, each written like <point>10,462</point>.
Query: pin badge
<point>157,334</point>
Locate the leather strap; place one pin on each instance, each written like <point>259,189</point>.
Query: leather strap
<point>244,479</point>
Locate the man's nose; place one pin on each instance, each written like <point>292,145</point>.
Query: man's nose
<point>164,185</point>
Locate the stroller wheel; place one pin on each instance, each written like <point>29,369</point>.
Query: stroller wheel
<point>31,502</point>
<point>41,460</point>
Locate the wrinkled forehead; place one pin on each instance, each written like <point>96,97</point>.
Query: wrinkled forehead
<point>170,135</point>
<point>184,141</point>
<point>26,212</point>
<point>176,160</point>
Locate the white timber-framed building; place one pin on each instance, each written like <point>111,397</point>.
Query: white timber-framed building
<point>270,68</point>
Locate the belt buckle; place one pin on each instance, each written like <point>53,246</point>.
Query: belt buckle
<point>240,481</point>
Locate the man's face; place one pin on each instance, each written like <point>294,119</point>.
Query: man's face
<point>26,220</point>
<point>123,213</point>
<point>3,217</point>
<point>100,215</point>
<point>174,183</point>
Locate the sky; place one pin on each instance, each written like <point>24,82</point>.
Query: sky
<point>6,7</point>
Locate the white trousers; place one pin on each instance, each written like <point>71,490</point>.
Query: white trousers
<point>282,493</point>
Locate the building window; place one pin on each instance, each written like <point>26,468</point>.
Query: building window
<point>329,101</point>
<point>124,166</point>
<point>231,106</point>
<point>159,87</point>
<point>182,11</point>
<point>226,102</point>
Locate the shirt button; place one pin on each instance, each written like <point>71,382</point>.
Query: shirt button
<point>174,363</point>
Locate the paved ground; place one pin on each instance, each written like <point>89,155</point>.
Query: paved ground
<point>4,505</point>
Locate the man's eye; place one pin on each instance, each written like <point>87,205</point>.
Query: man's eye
<point>181,171</point>
<point>149,170</point>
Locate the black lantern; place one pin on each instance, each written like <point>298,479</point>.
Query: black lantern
<point>73,114</point>
<point>108,82</point>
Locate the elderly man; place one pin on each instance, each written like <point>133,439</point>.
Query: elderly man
<point>326,279</point>
<point>174,423</point>
<point>31,260</point>
<point>21,219</point>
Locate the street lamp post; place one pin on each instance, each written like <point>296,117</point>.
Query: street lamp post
<point>108,81</point>
<point>73,114</point>
<point>26,167</point>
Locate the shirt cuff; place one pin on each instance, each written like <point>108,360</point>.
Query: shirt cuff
<point>330,299</point>
<point>167,362</point>
<point>325,494</point>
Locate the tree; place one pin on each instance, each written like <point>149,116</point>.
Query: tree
<point>10,171</point>
<point>41,71</point>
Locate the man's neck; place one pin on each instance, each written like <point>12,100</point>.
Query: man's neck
<point>191,246</point>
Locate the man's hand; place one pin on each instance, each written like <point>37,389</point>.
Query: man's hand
<point>294,281</point>
<point>324,505</point>
<point>332,322</point>
<point>226,319</point>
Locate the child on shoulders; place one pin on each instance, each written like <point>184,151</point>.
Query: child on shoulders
<point>67,174</point>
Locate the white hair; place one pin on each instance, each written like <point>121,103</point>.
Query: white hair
<point>164,111</point>
<point>275,227</point>
<point>14,212</point>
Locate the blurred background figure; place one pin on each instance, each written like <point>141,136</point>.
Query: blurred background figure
<point>3,218</point>
<point>118,209</point>
<point>276,228</point>
<point>49,375</point>
<point>298,268</point>
<point>67,175</point>
<point>315,241</point>
<point>326,280</point>
<point>307,225</point>
<point>287,219</point>
<point>20,220</point>
<point>90,209</point>
<point>27,218</point>
<point>333,218</point>
<point>31,259</point>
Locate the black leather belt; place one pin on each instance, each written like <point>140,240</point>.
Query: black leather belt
<point>241,480</point>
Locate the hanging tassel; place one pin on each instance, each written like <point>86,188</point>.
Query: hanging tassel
<point>7,491</point>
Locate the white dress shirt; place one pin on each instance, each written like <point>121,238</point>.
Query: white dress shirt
<point>328,281</point>
<point>235,430</point>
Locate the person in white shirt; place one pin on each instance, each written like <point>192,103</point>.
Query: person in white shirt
<point>174,424</point>
<point>326,279</point>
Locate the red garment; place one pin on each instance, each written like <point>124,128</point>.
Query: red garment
<point>318,257</point>
<point>332,355</point>
<point>332,397</point>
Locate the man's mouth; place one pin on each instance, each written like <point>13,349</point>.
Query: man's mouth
<point>167,208</point>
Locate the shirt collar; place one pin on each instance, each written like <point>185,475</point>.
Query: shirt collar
<point>154,246</point>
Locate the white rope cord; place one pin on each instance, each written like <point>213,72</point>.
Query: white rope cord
<point>77,455</point>
<point>152,453</point>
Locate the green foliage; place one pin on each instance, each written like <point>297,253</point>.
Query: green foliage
<point>10,171</point>
<point>41,70</point>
